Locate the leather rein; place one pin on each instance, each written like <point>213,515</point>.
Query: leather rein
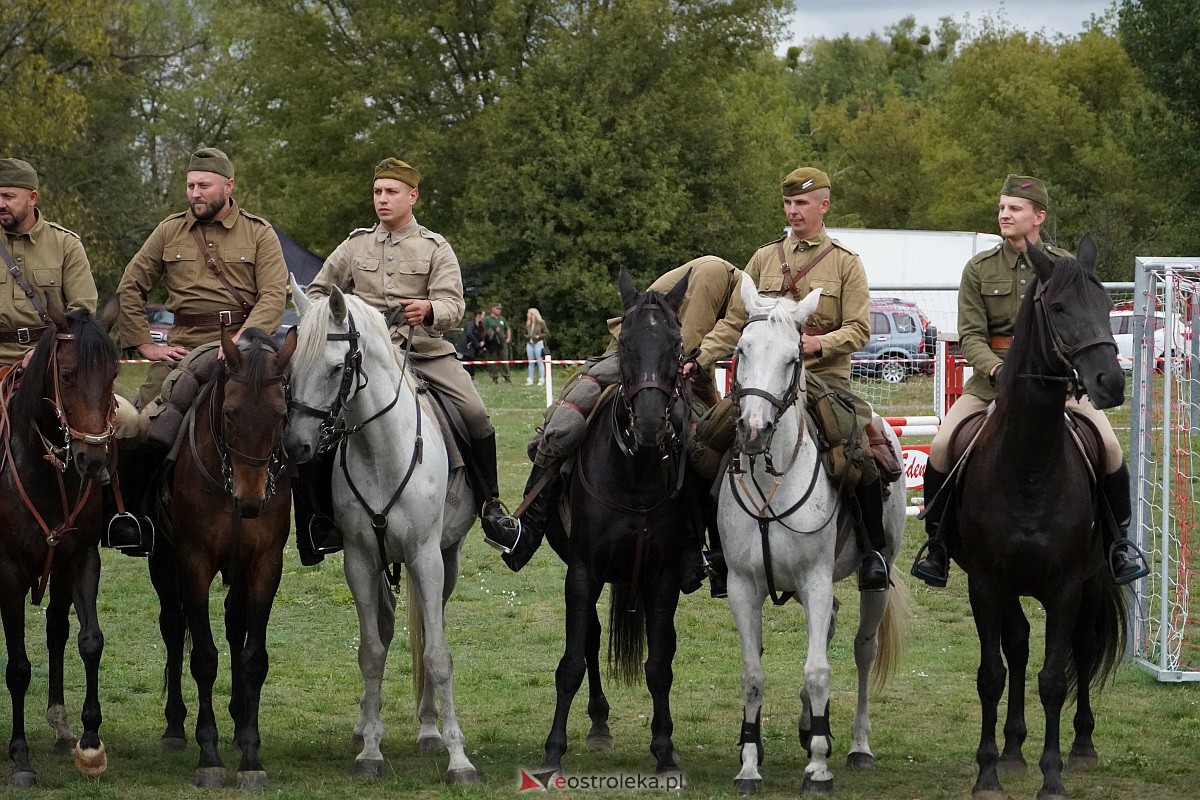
<point>1055,348</point>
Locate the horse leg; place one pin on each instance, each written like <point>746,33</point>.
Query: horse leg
<point>58,628</point>
<point>429,738</point>
<point>364,575</point>
<point>90,758</point>
<point>210,770</point>
<point>1052,688</point>
<point>172,626</point>
<point>17,675</point>
<point>745,603</point>
<point>806,706</point>
<point>599,738</point>
<point>871,608</point>
<point>581,594</point>
<point>426,572</point>
<point>817,596</point>
<point>986,608</point>
<point>661,601</point>
<point>261,584</point>
<point>1014,641</point>
<point>1085,648</point>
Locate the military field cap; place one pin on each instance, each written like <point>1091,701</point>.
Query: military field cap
<point>395,168</point>
<point>804,180</point>
<point>18,173</point>
<point>1028,187</point>
<point>210,159</point>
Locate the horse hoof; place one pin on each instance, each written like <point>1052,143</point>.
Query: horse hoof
<point>368,768</point>
<point>860,761</point>
<point>209,778</point>
<point>462,777</point>
<point>746,786</point>
<point>600,742</point>
<point>172,744</point>
<point>431,744</point>
<point>92,761</point>
<point>252,779</point>
<point>1012,766</point>
<point>1083,762</point>
<point>811,788</point>
<point>23,779</point>
<point>66,745</point>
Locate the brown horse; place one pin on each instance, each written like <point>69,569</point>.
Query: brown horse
<point>55,425</point>
<point>229,512</point>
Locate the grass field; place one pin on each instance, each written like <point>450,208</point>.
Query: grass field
<point>505,633</point>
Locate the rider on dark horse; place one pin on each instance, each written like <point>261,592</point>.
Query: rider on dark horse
<point>709,326</point>
<point>411,275</point>
<point>993,285</point>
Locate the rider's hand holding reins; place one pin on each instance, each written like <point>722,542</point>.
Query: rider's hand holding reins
<point>417,312</point>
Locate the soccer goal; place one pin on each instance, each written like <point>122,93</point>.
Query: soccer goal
<point>1165,464</point>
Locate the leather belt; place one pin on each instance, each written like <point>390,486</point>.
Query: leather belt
<point>214,319</point>
<point>1000,342</point>
<point>22,335</point>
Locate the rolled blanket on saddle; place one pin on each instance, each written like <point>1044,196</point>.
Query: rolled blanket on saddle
<point>179,391</point>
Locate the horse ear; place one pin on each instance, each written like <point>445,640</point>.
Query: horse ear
<point>286,349</point>
<point>806,307</point>
<point>678,293</point>
<point>629,293</point>
<point>55,311</point>
<point>299,298</point>
<point>750,296</point>
<point>233,355</point>
<point>110,312</point>
<point>337,305</point>
<point>1087,252</point>
<point>1042,263</point>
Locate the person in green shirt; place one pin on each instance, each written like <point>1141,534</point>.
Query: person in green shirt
<point>499,343</point>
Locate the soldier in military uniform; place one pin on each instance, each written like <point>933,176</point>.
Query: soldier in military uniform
<point>990,294</point>
<point>710,324</point>
<point>412,276</point>
<point>221,265</point>
<point>804,259</point>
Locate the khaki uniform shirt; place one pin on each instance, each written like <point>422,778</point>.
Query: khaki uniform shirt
<point>412,263</point>
<point>993,285</point>
<point>842,321</point>
<point>708,318</point>
<point>53,262</point>
<point>247,250</point>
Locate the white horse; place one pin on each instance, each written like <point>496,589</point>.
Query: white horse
<point>390,487</point>
<point>784,528</point>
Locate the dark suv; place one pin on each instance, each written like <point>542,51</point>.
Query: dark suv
<point>902,342</point>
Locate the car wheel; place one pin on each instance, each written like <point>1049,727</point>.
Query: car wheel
<point>893,371</point>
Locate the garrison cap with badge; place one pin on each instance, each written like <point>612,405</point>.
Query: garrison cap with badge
<point>210,159</point>
<point>395,168</point>
<point>18,173</point>
<point>804,180</point>
<point>1028,187</point>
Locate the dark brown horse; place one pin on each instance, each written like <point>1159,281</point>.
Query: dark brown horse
<point>1028,522</point>
<point>229,512</point>
<point>56,424</point>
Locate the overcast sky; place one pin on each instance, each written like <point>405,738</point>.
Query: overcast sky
<point>859,18</point>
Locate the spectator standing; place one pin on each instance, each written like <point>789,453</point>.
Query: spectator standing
<point>471,341</point>
<point>499,343</point>
<point>535,345</point>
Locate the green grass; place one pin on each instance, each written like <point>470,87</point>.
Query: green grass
<point>506,636</point>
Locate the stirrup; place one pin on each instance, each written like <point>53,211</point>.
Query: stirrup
<point>887,578</point>
<point>146,535</point>
<point>1142,570</point>
<point>504,533</point>
<point>325,546</point>
<point>938,581</point>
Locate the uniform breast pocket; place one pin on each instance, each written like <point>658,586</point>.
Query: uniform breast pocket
<point>997,296</point>
<point>412,266</point>
<point>770,283</point>
<point>366,264</point>
<point>829,310</point>
<point>239,265</point>
<point>47,277</point>
<point>182,265</point>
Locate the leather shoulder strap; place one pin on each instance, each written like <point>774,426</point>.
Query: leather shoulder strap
<point>215,268</point>
<point>790,278</point>
<point>19,277</point>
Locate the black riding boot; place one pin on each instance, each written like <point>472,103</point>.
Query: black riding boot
<point>312,498</point>
<point>498,528</point>
<point>532,523</point>
<point>1124,558</point>
<point>714,557</point>
<point>932,563</point>
<point>131,531</point>
<point>873,571</point>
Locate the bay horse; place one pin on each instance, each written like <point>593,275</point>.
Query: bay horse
<point>785,528</point>
<point>56,423</point>
<point>396,500</point>
<point>1027,522</point>
<point>229,512</point>
<point>630,503</point>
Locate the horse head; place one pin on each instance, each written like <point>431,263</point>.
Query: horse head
<point>253,414</point>
<point>1072,317</point>
<point>651,354</point>
<point>768,364</point>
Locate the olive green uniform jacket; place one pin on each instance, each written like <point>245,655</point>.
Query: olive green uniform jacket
<point>411,263</point>
<point>993,285</point>
<point>54,263</point>
<point>247,250</point>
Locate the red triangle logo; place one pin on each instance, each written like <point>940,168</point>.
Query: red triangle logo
<point>529,783</point>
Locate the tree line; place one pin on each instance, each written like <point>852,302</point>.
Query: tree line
<point>562,140</point>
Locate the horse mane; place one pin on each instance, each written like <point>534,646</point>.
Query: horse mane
<point>95,352</point>
<point>256,345</point>
<point>310,346</point>
<point>647,298</point>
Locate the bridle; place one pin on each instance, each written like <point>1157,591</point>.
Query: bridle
<point>1056,349</point>
<point>354,380</point>
<point>672,388</point>
<point>56,454</point>
<point>780,403</point>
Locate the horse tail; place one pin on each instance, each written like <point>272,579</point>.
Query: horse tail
<point>626,635</point>
<point>893,633</point>
<point>1111,628</point>
<point>416,637</point>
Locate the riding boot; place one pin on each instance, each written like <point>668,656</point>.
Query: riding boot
<point>131,530</point>
<point>312,497</point>
<point>873,571</point>
<point>932,563</point>
<point>714,557</point>
<point>498,528</point>
<point>532,523</point>
<point>1125,559</point>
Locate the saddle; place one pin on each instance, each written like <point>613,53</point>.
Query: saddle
<point>1083,433</point>
<point>449,420</point>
